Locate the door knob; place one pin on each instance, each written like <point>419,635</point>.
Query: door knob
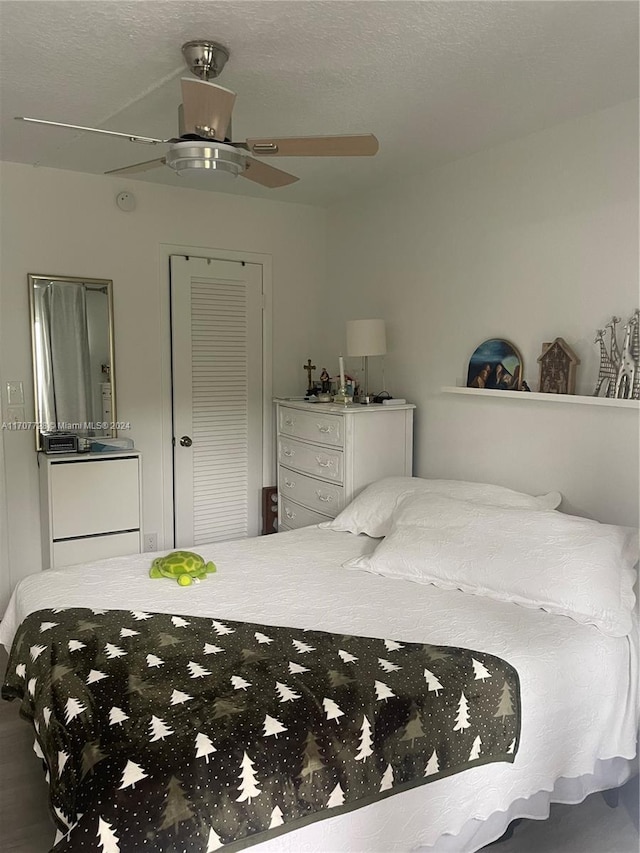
<point>185,441</point>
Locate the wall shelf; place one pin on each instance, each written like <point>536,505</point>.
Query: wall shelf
<point>547,398</point>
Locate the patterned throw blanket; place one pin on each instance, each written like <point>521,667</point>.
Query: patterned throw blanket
<point>174,734</point>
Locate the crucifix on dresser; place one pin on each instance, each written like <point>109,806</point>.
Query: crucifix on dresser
<point>309,368</point>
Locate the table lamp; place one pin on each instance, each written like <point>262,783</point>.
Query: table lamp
<point>365,338</point>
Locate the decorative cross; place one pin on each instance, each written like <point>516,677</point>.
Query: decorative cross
<point>309,367</point>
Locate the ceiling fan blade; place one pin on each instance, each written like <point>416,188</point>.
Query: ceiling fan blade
<point>362,145</point>
<point>267,176</point>
<point>207,108</point>
<point>132,137</point>
<point>138,167</point>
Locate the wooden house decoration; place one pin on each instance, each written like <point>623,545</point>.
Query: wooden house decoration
<point>558,364</point>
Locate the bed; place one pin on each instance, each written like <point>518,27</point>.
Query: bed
<point>578,685</point>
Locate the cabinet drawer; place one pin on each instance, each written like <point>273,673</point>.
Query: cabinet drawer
<point>321,428</point>
<point>94,497</point>
<point>322,462</point>
<point>293,516</point>
<point>73,551</point>
<point>327,498</point>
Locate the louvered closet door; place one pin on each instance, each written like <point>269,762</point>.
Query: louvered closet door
<point>216,321</point>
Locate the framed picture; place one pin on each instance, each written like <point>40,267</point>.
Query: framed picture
<point>496,364</point>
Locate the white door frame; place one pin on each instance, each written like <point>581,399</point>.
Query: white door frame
<point>166,250</point>
<point>6,582</point>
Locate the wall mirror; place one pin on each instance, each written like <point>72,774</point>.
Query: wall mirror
<point>73,356</point>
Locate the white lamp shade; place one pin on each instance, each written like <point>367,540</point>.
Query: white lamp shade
<point>366,337</point>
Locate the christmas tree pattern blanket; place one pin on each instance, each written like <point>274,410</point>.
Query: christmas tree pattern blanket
<point>179,734</point>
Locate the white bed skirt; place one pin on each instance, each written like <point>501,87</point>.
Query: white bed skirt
<point>476,834</point>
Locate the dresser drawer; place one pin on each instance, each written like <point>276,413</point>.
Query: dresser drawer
<point>312,426</point>
<point>292,515</point>
<point>71,551</point>
<point>94,496</point>
<point>318,461</point>
<point>327,498</point>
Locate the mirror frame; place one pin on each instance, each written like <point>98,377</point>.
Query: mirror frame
<point>33,279</point>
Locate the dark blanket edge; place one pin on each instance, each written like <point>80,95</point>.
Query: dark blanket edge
<point>299,823</point>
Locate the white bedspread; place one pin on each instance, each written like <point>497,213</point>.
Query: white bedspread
<point>579,687</point>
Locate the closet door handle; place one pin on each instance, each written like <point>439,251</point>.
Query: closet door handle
<point>185,441</point>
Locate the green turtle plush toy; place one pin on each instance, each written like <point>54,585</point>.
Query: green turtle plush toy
<point>182,566</point>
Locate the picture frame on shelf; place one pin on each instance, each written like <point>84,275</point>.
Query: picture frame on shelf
<point>496,364</point>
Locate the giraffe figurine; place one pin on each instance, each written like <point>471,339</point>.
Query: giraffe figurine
<point>607,374</point>
<point>635,354</point>
<point>613,348</point>
<point>625,379</point>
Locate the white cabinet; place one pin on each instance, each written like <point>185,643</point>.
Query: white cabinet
<point>327,453</point>
<point>89,507</point>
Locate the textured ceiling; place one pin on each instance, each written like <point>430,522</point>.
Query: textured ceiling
<point>434,81</point>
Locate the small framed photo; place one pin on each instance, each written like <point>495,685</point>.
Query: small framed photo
<point>496,364</point>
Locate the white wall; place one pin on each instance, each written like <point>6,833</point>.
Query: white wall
<point>531,240</point>
<point>5,581</point>
<point>66,223</point>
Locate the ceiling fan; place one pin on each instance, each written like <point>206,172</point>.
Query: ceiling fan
<point>204,141</point>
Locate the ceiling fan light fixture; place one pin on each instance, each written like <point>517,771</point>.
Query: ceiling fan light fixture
<point>185,157</point>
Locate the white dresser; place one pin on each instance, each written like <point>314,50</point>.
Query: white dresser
<point>90,506</point>
<point>327,453</point>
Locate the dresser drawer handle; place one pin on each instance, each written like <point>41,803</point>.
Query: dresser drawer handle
<point>289,484</point>
<point>288,452</point>
<point>325,463</point>
<point>290,422</point>
<point>325,428</point>
<point>289,514</point>
<point>324,498</point>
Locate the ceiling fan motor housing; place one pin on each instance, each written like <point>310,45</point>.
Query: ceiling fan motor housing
<point>204,58</point>
<point>192,154</point>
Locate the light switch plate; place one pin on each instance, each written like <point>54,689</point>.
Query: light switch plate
<point>15,393</point>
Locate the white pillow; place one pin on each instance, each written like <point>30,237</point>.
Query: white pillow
<point>370,512</point>
<point>566,565</point>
